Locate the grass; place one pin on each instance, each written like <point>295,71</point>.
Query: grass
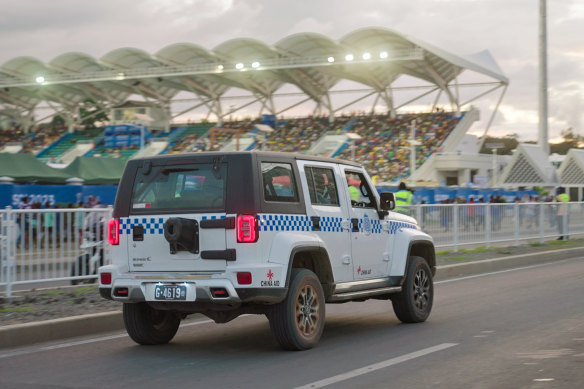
<point>84,289</point>
<point>480,249</point>
<point>53,292</point>
<point>537,244</point>
<point>16,309</point>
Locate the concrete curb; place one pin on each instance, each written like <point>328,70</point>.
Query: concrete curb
<point>503,263</point>
<point>51,330</point>
<point>67,327</point>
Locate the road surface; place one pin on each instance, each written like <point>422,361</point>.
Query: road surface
<point>522,328</point>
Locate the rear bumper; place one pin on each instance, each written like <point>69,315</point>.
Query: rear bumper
<point>207,289</point>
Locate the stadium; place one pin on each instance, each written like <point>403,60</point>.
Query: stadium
<point>76,112</point>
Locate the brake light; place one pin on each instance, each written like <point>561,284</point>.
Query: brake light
<point>247,229</point>
<point>113,232</point>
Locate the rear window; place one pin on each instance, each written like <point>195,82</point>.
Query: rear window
<point>194,187</point>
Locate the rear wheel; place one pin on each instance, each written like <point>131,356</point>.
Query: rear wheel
<point>149,326</point>
<point>414,303</point>
<point>298,321</point>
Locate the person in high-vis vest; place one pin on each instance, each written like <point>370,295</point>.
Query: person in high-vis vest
<point>562,216</point>
<point>403,197</point>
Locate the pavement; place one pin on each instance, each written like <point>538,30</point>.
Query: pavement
<point>50,330</point>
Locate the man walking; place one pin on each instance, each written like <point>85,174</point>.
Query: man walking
<point>562,217</point>
<point>403,199</point>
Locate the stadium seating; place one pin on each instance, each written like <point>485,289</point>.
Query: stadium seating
<point>55,151</point>
<point>383,147</point>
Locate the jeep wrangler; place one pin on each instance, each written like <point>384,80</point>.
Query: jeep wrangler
<point>280,234</point>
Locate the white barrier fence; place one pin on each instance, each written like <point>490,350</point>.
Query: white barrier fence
<point>456,225</point>
<point>68,245</point>
<point>50,245</point>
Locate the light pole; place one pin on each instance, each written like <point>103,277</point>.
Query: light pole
<point>494,147</point>
<point>413,144</point>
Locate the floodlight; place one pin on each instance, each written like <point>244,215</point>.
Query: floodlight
<point>40,79</point>
<point>239,66</point>
<point>331,59</point>
<point>366,56</point>
<point>255,65</point>
<point>383,54</point>
<point>120,76</point>
<point>219,67</point>
<point>349,57</point>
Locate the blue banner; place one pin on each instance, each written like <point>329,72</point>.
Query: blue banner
<point>64,195</point>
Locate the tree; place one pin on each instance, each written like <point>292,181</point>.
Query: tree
<point>91,112</point>
<point>571,141</point>
<point>509,141</point>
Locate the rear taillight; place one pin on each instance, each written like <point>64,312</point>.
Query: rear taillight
<point>247,229</point>
<point>113,232</point>
<point>244,278</point>
<point>105,278</point>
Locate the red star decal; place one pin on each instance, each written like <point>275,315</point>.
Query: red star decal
<point>359,270</point>
<point>270,274</point>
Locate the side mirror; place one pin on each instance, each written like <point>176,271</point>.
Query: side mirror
<point>387,201</point>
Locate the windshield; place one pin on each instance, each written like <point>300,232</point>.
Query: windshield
<point>186,187</point>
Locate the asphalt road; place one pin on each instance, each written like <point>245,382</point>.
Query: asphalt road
<point>522,328</point>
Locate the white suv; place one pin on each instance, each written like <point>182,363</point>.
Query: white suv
<point>279,234</point>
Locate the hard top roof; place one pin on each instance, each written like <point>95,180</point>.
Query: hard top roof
<point>263,154</point>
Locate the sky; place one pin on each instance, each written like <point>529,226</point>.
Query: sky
<point>507,28</point>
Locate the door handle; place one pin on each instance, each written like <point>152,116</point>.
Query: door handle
<point>355,223</point>
<point>345,225</point>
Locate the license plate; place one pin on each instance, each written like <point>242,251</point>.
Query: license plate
<point>170,292</point>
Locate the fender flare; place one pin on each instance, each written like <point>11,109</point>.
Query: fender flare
<point>308,248</point>
<point>426,247</point>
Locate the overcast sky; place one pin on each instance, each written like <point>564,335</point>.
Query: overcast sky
<point>507,28</point>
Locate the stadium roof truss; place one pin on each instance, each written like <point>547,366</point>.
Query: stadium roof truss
<point>374,57</point>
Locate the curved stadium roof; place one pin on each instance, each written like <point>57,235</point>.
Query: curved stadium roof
<point>312,62</point>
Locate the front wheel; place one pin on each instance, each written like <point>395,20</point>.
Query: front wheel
<point>148,326</point>
<point>414,303</point>
<point>298,321</point>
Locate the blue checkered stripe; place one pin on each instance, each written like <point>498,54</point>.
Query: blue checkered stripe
<point>394,226</point>
<point>212,217</point>
<point>151,225</point>
<point>274,222</point>
<point>330,224</point>
<point>375,225</point>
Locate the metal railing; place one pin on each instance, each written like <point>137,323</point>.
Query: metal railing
<point>63,245</point>
<point>486,224</point>
<point>51,245</point>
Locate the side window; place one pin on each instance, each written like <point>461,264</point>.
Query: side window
<point>279,183</point>
<point>359,190</point>
<point>321,186</point>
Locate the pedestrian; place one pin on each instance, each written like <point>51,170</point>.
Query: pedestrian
<point>403,199</point>
<point>562,216</point>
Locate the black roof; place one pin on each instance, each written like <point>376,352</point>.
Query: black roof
<point>269,154</point>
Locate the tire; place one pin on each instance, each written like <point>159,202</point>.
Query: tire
<point>298,321</point>
<point>148,326</point>
<point>414,303</point>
